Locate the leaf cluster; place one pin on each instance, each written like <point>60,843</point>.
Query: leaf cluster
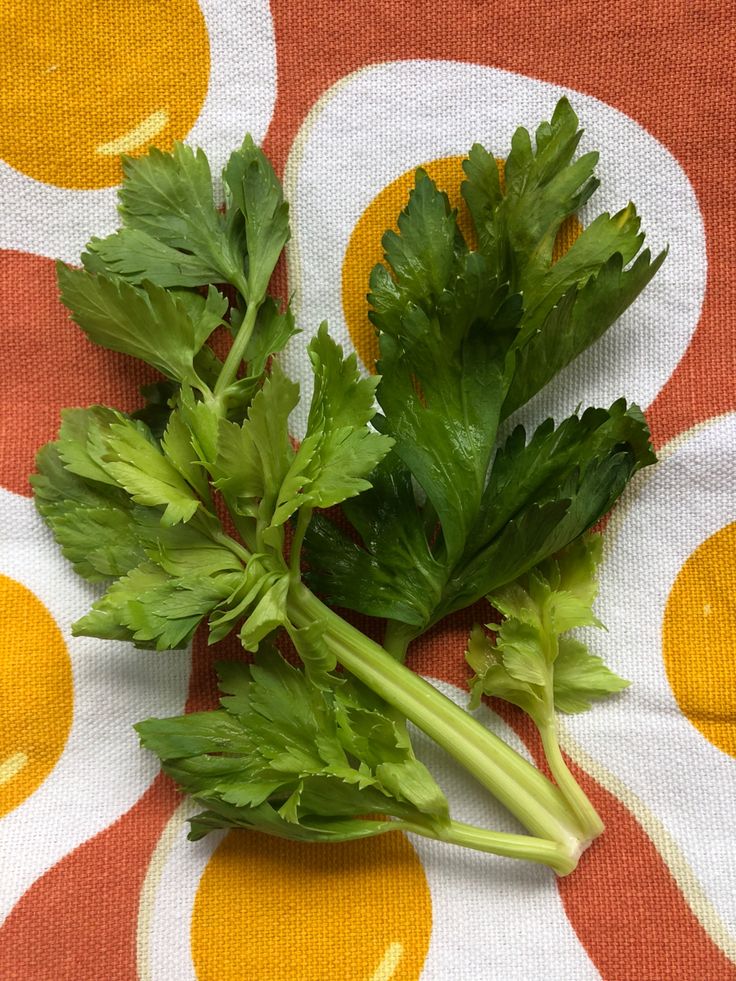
<point>154,288</point>
<point>266,479</point>
<point>126,515</point>
<point>441,513</point>
<point>534,663</point>
<point>294,759</point>
<point>467,337</point>
<point>128,507</point>
<point>132,499</point>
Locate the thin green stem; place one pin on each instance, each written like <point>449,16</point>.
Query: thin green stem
<point>585,813</point>
<point>234,546</point>
<point>238,280</point>
<point>563,859</point>
<point>536,802</point>
<point>237,352</point>
<point>302,523</point>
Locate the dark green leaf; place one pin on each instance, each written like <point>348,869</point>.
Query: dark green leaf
<point>543,187</point>
<point>255,191</point>
<point>445,329</point>
<point>392,572</point>
<point>579,318</point>
<point>524,472</point>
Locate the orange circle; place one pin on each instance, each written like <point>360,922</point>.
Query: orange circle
<point>699,639</point>
<point>38,693</point>
<point>267,908</point>
<point>364,249</point>
<point>84,81</point>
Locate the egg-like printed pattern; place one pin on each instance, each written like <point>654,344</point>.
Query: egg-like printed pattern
<point>144,75</point>
<point>36,669</point>
<point>133,76</point>
<point>70,759</point>
<point>665,744</point>
<point>414,112</point>
<point>699,638</point>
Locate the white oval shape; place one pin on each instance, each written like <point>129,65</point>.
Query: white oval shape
<point>672,772</point>
<point>58,222</point>
<point>102,771</point>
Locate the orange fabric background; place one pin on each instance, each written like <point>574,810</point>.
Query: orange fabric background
<point>668,66</point>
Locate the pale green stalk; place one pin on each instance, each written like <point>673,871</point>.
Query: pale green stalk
<point>562,858</point>
<point>518,785</point>
<point>239,346</point>
<point>580,805</point>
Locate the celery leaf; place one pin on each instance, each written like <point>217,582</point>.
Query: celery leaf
<point>288,757</point>
<point>532,663</point>
<point>254,193</point>
<point>147,322</point>
<point>174,234</point>
<point>339,450</point>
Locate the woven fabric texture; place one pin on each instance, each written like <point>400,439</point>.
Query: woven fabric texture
<point>97,880</point>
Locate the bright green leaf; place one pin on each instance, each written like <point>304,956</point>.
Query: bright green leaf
<point>136,463</point>
<point>581,677</point>
<point>288,757</point>
<point>147,322</point>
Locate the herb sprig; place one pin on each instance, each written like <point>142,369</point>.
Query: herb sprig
<point>442,515</point>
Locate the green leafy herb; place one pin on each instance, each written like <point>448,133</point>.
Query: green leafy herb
<point>296,745</point>
<point>466,337</point>
<point>439,511</point>
<point>534,663</point>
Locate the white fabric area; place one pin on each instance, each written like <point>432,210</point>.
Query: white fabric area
<point>102,771</point>
<point>642,737</point>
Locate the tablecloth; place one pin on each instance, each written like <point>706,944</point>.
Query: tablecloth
<point>97,880</point>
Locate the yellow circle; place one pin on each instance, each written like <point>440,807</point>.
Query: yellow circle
<point>699,639</point>
<point>268,909</point>
<point>37,693</point>
<point>84,81</point>
<point>364,249</point>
